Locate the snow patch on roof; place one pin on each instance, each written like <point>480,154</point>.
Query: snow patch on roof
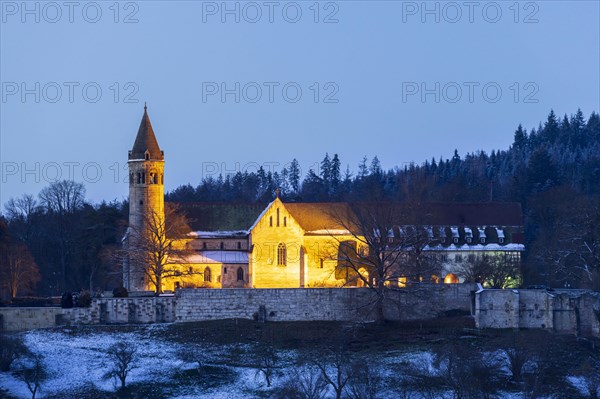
<point>218,257</point>
<point>219,234</point>
<point>331,232</point>
<point>477,247</point>
<point>454,231</point>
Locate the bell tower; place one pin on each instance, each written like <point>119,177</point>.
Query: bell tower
<point>146,193</point>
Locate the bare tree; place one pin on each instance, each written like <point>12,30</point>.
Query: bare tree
<point>518,354</point>
<point>305,383</point>
<point>18,269</point>
<point>590,372</point>
<point>495,271</point>
<point>35,375</point>
<point>266,361</point>
<point>335,365</point>
<point>21,211</point>
<point>365,381</point>
<point>156,249</point>
<point>62,200</point>
<point>570,251</point>
<point>123,357</point>
<point>387,246</point>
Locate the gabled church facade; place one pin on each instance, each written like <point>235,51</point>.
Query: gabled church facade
<point>294,245</point>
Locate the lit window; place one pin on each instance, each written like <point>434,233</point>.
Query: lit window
<point>402,281</point>
<point>240,274</point>
<point>207,275</point>
<point>281,255</point>
<point>451,279</point>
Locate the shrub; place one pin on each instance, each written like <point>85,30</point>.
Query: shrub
<point>10,350</point>
<point>66,301</point>
<point>84,300</point>
<point>120,292</point>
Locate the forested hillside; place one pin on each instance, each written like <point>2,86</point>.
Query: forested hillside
<point>553,170</point>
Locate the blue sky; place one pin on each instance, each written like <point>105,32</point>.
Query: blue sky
<point>362,69</point>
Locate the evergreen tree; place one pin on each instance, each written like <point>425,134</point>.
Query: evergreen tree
<point>551,127</point>
<point>326,170</point>
<point>363,171</point>
<point>375,168</point>
<point>294,176</point>
<point>520,141</point>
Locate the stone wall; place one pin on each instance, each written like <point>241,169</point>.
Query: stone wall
<point>298,304</point>
<point>563,311</point>
<point>346,304</point>
<point>21,319</point>
<point>102,311</point>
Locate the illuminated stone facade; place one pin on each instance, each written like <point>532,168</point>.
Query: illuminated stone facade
<point>295,245</point>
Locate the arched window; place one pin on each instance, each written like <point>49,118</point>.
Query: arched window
<point>285,221</point>
<point>281,254</point>
<point>207,274</point>
<point>240,274</point>
<point>270,221</point>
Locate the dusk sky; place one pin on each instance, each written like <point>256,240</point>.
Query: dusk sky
<point>361,67</point>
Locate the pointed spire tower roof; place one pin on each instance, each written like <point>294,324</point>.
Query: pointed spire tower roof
<point>146,141</point>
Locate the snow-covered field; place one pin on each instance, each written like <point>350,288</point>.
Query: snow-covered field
<point>77,360</point>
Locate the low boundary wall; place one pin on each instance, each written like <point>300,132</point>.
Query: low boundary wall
<point>564,311</point>
<point>297,304</point>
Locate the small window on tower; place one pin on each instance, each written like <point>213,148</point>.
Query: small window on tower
<point>222,245</point>
<point>147,155</point>
<point>285,221</point>
<point>141,202</point>
<point>239,245</point>
<point>204,245</point>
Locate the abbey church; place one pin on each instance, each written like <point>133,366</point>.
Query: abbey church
<point>293,245</point>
